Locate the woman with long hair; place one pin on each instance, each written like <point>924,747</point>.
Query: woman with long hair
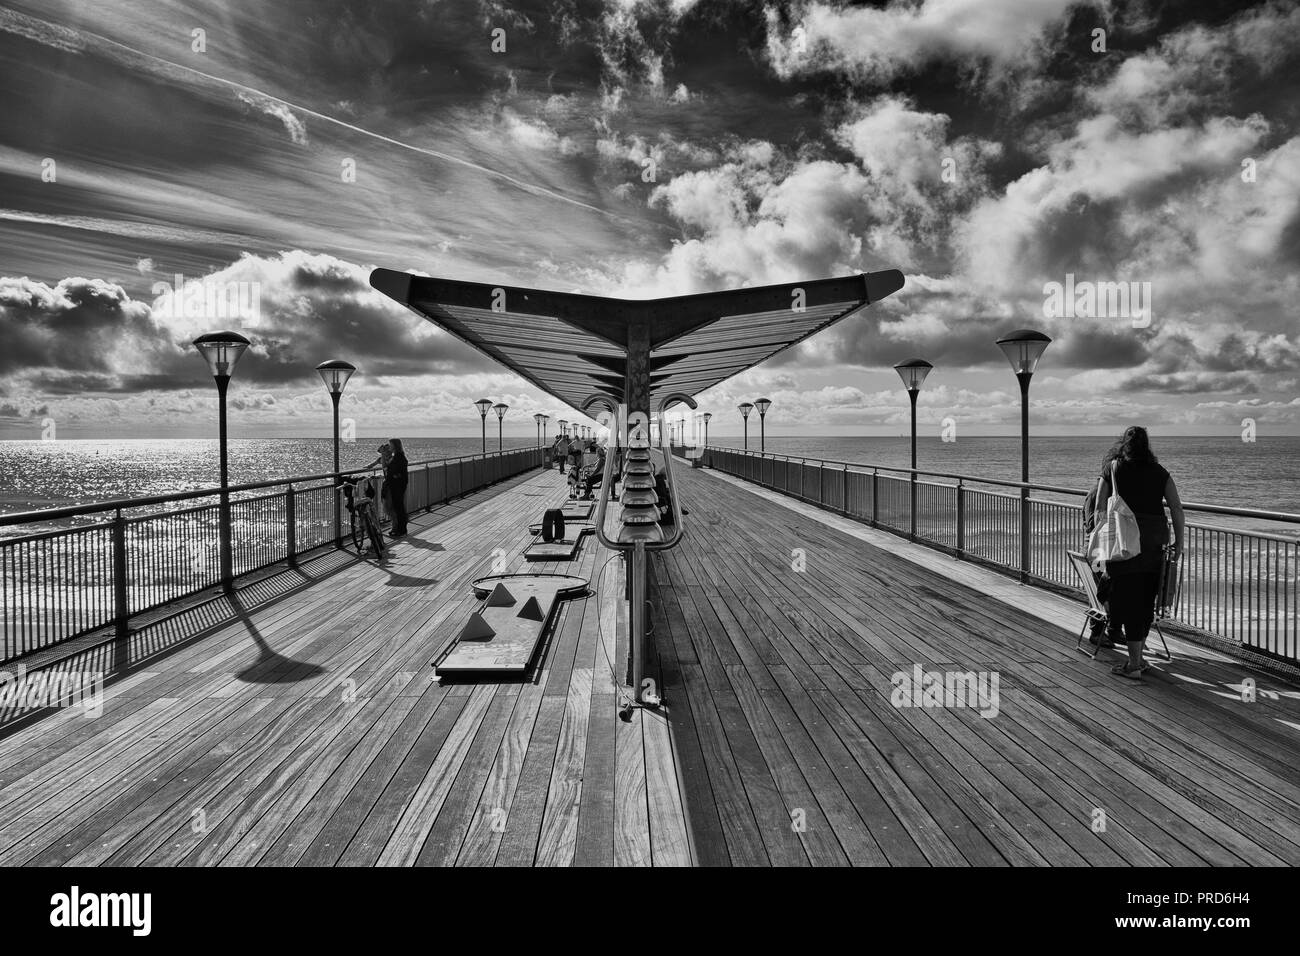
<point>395,476</point>
<point>1146,488</point>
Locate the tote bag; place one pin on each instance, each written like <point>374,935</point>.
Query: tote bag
<point>1117,538</point>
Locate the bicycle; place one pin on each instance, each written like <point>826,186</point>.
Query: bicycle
<point>360,499</point>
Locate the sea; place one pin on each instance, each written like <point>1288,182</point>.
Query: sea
<point>1223,471</point>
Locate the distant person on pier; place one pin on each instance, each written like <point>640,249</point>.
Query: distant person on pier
<point>1146,488</point>
<point>385,453</point>
<point>395,477</point>
<point>561,453</point>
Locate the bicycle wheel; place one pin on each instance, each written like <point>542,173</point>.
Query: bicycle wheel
<point>376,538</point>
<point>358,533</point>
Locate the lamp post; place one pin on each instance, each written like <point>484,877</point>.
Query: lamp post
<point>763,404</point>
<point>1023,348</point>
<point>545,419</point>
<point>706,416</point>
<point>745,409</point>
<point>500,408</point>
<point>335,374</point>
<point>563,426</point>
<point>483,404</point>
<point>913,373</point>
<point>537,418</point>
<point>222,350</point>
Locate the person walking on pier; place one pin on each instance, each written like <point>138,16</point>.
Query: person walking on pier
<point>1146,487</point>
<point>395,477</point>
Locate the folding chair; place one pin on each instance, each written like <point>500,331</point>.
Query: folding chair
<point>1097,617</point>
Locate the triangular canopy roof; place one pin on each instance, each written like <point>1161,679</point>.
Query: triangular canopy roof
<point>572,345</point>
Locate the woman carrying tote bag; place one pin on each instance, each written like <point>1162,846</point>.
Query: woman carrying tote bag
<point>1134,476</point>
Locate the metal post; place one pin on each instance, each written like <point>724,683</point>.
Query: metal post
<point>1025,529</point>
<point>223,519</point>
<point>338,505</point>
<point>498,433</point>
<point>291,524</point>
<point>121,606</point>
<point>912,393</point>
<point>746,434</point>
<point>875,496</point>
<point>762,432</point>
<point>961,518</point>
<point>483,417</point>
<point>636,618</point>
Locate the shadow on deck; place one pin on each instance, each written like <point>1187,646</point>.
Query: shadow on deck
<point>306,729</point>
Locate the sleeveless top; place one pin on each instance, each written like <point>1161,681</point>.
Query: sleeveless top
<point>1142,486</point>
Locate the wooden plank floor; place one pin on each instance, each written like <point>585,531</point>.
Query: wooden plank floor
<point>777,638</point>
<point>307,729</point>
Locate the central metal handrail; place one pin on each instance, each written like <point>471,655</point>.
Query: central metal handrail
<point>638,584</point>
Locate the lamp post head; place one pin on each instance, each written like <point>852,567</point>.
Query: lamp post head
<point>913,373</point>
<point>221,350</point>
<point>483,404</point>
<point>745,409</point>
<point>1023,348</point>
<point>538,417</point>
<point>335,374</point>
<point>707,415</point>
<point>500,408</point>
<point>763,404</point>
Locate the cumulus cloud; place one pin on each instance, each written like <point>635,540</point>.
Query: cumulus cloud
<point>88,335</point>
<point>877,44</point>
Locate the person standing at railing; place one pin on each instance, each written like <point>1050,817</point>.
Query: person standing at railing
<point>385,452</point>
<point>395,477</point>
<point>1146,488</point>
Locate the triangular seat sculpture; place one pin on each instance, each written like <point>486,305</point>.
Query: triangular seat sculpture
<point>476,629</point>
<point>500,597</point>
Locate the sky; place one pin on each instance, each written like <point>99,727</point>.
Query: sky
<point>997,152</point>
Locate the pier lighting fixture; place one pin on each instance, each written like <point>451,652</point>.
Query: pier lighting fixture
<point>913,373</point>
<point>745,409</point>
<point>1023,348</point>
<point>483,404</point>
<point>221,350</point>
<point>335,374</point>
<point>500,408</point>
<point>763,404</point>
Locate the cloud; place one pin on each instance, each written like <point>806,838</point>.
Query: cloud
<point>88,335</point>
<point>877,44</point>
<point>279,109</point>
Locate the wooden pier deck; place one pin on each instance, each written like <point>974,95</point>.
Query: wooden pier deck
<point>305,728</point>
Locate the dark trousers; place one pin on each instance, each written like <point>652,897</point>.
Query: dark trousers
<point>397,498</point>
<point>1132,603</point>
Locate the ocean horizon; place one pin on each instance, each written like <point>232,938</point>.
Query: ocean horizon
<point>1213,470</point>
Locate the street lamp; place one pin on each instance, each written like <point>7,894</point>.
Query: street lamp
<point>335,374</point>
<point>913,373</point>
<point>537,417</point>
<point>483,404</point>
<point>500,408</point>
<point>706,416</point>
<point>222,350</point>
<point>563,426</point>
<point>1023,348</point>
<point>763,404</point>
<point>745,409</point>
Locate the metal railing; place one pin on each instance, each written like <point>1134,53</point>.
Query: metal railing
<point>67,572</point>
<point>1238,585</point>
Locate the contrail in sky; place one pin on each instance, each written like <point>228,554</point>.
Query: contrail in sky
<point>74,41</point>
